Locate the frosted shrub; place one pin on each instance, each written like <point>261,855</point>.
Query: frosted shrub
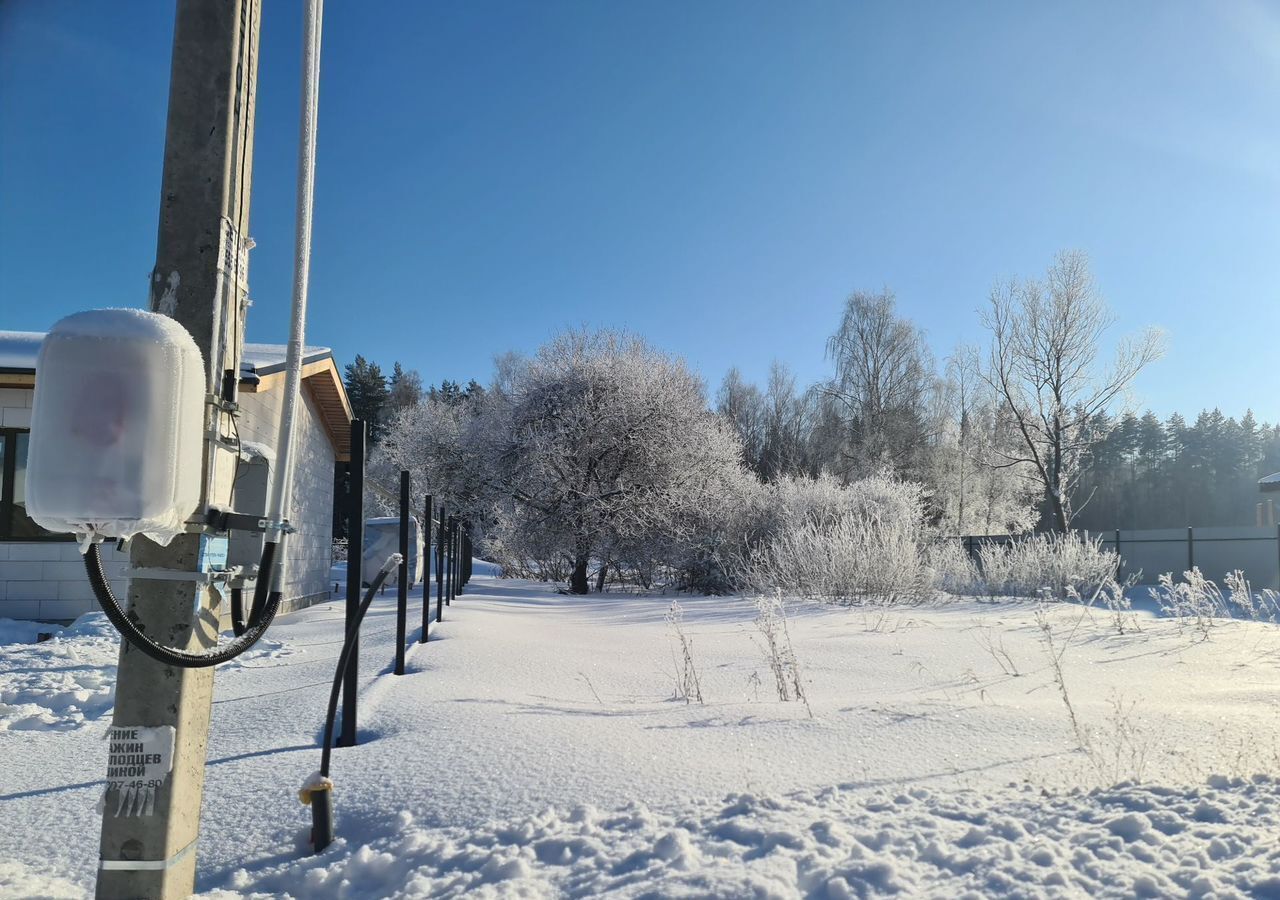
<point>1260,606</point>
<point>688,684</point>
<point>771,621</point>
<point>525,552</point>
<point>1054,566</point>
<point>1195,601</point>
<point>953,570</point>
<point>1113,597</point>
<point>850,546</point>
<point>712,537</point>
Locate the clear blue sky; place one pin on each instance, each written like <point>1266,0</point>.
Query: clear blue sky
<point>717,176</point>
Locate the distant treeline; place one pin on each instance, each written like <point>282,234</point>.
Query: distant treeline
<point>1146,473</point>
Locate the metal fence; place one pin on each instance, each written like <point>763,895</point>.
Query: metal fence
<point>446,549</point>
<point>1148,553</point>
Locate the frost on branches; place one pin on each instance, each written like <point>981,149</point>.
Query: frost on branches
<point>598,451</point>
<point>597,461</point>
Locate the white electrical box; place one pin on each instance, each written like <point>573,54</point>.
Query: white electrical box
<point>381,539</point>
<point>117,426</point>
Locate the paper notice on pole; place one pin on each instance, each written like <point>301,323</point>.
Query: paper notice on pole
<point>139,759</point>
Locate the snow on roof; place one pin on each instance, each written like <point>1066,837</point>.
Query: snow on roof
<point>18,351</point>
<point>263,359</point>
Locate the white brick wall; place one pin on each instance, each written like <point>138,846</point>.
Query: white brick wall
<point>310,549</point>
<point>46,580</point>
<point>15,407</point>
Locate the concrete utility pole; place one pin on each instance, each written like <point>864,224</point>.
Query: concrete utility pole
<point>149,849</point>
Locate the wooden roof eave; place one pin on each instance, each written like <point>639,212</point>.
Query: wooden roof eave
<point>324,385</point>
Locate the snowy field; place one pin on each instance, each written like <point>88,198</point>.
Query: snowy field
<point>535,749</point>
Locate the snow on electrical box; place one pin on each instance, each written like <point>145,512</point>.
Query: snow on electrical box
<point>116,426</point>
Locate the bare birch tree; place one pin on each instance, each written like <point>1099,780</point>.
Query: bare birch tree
<point>1043,363</point>
<point>742,406</point>
<point>882,384</point>
<point>974,491</point>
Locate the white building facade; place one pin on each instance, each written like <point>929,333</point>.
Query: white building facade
<point>42,575</point>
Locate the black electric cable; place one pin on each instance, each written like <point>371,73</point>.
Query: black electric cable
<point>266,605</point>
<point>238,625</point>
<point>344,658</point>
<point>319,796</point>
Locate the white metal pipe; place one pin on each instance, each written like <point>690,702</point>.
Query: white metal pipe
<point>214,365</point>
<point>278,510</point>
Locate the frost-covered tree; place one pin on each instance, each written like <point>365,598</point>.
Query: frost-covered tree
<point>786,426</point>
<point>404,389</point>
<point>974,490</point>
<point>1044,364</point>
<point>772,425</point>
<point>881,388</point>
<point>740,404</point>
<point>429,440</point>
<point>600,439</point>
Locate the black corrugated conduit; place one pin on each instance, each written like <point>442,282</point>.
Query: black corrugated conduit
<point>344,659</point>
<point>266,603</point>
<point>318,792</point>
<point>238,625</point>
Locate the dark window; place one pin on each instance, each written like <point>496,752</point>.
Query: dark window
<point>15,524</point>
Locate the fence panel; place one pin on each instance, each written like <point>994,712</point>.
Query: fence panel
<point>1221,550</point>
<point>1149,553</point>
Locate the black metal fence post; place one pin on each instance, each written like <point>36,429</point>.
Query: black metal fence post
<point>1119,561</point>
<point>355,557</point>
<point>457,558</point>
<point>466,556</point>
<point>462,557</point>
<point>402,577</point>
<point>426,572</point>
<point>448,565</point>
<point>439,567</point>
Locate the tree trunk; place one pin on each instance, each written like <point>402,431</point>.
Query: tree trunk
<point>578,583</point>
<point>1058,510</point>
<point>604,567</point>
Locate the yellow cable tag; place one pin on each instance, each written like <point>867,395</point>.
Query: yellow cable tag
<point>313,784</point>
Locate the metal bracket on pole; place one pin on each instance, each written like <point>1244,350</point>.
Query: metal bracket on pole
<point>145,865</point>
<point>148,573</point>
<point>227,520</point>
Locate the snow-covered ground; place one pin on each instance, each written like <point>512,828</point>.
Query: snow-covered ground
<point>535,749</point>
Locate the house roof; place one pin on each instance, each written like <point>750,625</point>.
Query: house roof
<point>18,350</point>
<point>261,369</point>
<point>267,359</point>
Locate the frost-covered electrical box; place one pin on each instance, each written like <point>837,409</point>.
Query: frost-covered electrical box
<point>116,426</point>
